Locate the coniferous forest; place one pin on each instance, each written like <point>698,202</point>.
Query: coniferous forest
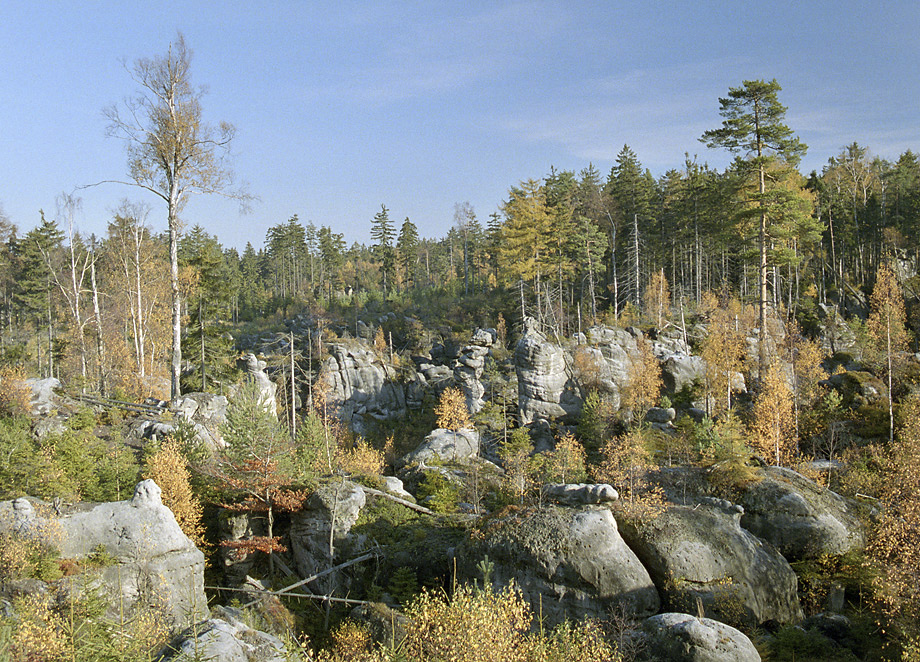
<point>696,340</point>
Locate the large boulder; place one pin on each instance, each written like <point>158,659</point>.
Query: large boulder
<point>321,531</point>
<point>680,370</point>
<point>568,562</point>
<point>684,638</point>
<point>799,517</point>
<point>154,562</point>
<point>545,388</point>
<point>227,638</point>
<point>700,556</point>
<point>43,398</point>
<point>445,445</point>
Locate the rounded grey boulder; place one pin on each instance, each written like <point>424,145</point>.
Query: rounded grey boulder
<point>799,517</point>
<point>685,638</point>
<point>569,563</point>
<point>700,556</point>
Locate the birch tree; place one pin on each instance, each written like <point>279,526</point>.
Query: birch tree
<point>172,153</point>
<point>888,327</point>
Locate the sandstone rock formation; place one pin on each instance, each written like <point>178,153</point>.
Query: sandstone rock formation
<point>156,563</point>
<point>254,369</point>
<point>468,367</point>
<point>571,562</point>
<point>545,389</point>
<point>580,494</point>
<point>702,553</point>
<point>227,638</point>
<point>445,445</point>
<point>44,399</point>
<point>799,517</point>
<point>684,638</point>
<point>205,412</point>
<point>322,531</point>
<point>362,386</point>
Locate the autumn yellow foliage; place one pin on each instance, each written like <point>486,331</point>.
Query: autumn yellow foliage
<point>15,394</point>
<point>772,425</point>
<point>644,387</point>
<point>893,549</point>
<point>359,459</point>
<point>168,469</point>
<point>626,463</point>
<point>451,410</point>
<point>723,351</point>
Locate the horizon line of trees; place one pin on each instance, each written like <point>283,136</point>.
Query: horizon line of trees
<point>570,248</point>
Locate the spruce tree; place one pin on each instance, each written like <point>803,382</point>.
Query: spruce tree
<point>382,234</point>
<point>407,249</point>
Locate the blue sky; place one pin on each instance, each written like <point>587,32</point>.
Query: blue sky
<point>420,105</point>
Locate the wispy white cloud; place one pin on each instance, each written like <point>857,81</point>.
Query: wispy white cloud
<point>445,52</point>
<point>660,113</point>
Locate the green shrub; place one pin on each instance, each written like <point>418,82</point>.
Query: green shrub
<point>403,584</point>
<point>84,419</point>
<point>439,493</point>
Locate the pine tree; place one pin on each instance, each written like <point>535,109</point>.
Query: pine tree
<point>257,465</point>
<point>35,257</point>
<point>204,342</point>
<point>753,127</point>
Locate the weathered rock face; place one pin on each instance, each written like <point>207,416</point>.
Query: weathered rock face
<point>234,526</point>
<point>681,369</point>
<point>685,638</point>
<point>545,390</point>
<point>255,373</point>
<point>206,412</point>
<point>799,517</point>
<point>469,364</point>
<point>156,562</point>
<point>227,638</point>
<point>702,553</point>
<point>859,388</point>
<point>572,558</point>
<point>43,400</point>
<point>619,353</point>
<point>835,334</point>
<point>361,385</point>
<point>320,532</point>
<point>445,445</point>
